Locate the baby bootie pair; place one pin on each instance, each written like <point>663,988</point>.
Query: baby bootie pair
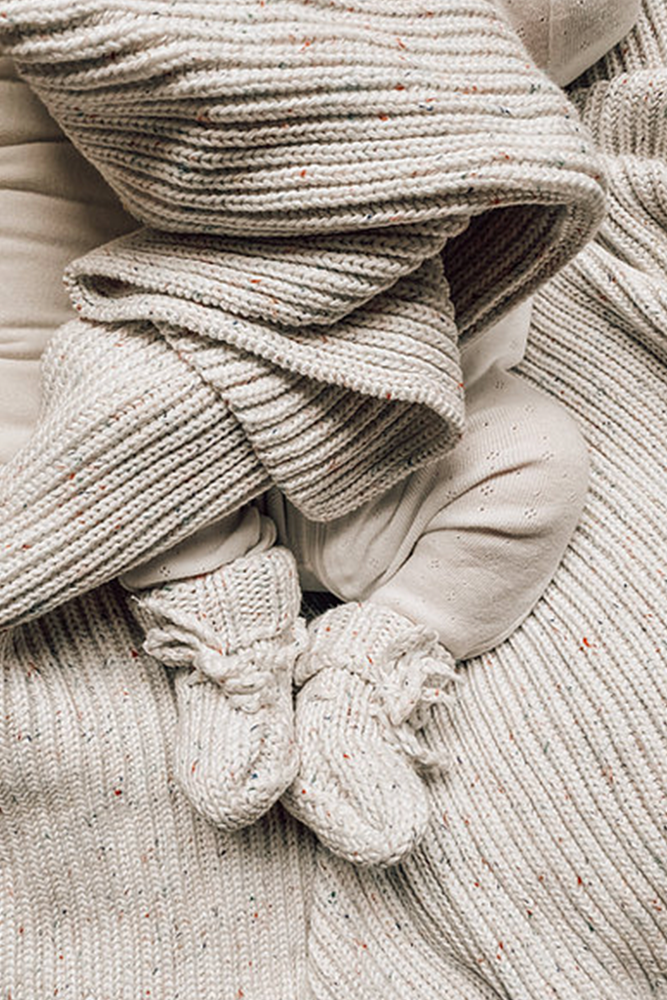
<point>346,756</point>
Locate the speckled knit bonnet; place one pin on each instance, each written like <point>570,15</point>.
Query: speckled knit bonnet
<point>331,195</point>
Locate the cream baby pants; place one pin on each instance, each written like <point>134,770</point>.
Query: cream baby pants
<point>468,545</point>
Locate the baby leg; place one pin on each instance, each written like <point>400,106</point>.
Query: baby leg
<point>222,609</point>
<point>442,567</point>
<point>508,500</point>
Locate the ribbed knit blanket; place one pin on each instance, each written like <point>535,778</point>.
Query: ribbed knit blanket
<point>544,873</point>
<point>332,195</point>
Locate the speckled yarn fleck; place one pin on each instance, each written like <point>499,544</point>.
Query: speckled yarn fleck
<point>297,117</point>
<point>276,119</point>
<point>325,186</point>
<point>114,474</point>
<point>543,872</point>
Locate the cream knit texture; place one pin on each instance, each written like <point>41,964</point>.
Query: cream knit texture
<point>543,871</point>
<point>53,206</point>
<point>103,470</point>
<point>113,888</point>
<point>367,681</point>
<point>332,195</point>
<point>233,636</point>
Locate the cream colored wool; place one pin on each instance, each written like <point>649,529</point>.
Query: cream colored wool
<point>53,206</point>
<point>543,872</point>
<point>112,887</point>
<point>324,412</point>
<point>367,681</point>
<point>104,470</point>
<point>426,167</point>
<point>327,88</point>
<point>127,465</point>
<point>233,636</point>
<point>566,37</point>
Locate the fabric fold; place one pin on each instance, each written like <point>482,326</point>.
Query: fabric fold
<point>622,272</point>
<point>333,197</point>
<point>117,470</point>
<point>287,119</point>
<point>372,395</point>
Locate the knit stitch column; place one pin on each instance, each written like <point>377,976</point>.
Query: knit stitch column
<point>112,887</point>
<point>119,466</point>
<point>232,636</point>
<point>367,681</point>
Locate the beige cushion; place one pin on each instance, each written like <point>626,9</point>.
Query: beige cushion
<point>53,207</point>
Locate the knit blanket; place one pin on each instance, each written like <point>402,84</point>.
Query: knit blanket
<point>332,195</point>
<point>544,871</point>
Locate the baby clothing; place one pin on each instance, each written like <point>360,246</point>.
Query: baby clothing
<point>463,548</point>
<point>237,633</point>
<point>493,517</point>
<point>546,835</point>
<point>443,566</point>
<point>454,246</point>
<point>565,37</point>
<point>468,545</point>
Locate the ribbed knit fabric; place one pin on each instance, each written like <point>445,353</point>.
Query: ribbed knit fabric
<point>112,887</point>
<point>294,118</point>
<point>425,165</point>
<point>232,636</point>
<point>120,472</point>
<point>289,118</point>
<point>308,399</point>
<point>543,872</point>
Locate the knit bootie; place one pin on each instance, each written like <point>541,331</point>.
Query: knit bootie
<point>367,679</point>
<point>236,631</point>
